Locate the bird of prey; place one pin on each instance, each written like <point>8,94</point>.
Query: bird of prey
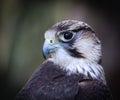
<point>73,70</point>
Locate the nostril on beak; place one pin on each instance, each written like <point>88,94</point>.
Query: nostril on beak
<point>51,41</point>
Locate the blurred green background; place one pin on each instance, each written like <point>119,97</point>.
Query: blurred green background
<point>22,27</point>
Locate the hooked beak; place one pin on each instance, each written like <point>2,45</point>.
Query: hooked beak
<point>49,48</point>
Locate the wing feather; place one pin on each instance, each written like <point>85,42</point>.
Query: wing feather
<point>93,90</point>
<point>49,82</point>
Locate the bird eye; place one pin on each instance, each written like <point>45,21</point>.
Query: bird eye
<point>67,36</point>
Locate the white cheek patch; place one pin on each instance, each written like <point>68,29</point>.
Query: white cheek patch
<point>88,48</point>
<point>74,65</point>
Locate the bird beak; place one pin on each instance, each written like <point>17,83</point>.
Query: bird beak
<point>49,47</point>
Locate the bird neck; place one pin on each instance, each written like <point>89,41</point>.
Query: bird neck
<point>72,65</point>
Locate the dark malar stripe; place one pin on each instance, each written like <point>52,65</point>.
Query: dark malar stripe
<point>75,53</point>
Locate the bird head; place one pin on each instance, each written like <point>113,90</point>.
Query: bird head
<point>74,46</point>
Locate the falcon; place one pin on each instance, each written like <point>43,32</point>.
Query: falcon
<point>72,69</point>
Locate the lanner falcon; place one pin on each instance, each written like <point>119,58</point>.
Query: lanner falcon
<point>73,70</point>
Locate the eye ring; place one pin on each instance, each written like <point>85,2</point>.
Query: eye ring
<point>67,36</point>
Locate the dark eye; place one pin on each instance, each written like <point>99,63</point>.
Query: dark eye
<point>67,36</point>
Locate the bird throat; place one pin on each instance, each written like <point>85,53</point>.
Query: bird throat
<point>74,65</point>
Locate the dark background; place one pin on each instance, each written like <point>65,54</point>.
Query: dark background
<point>22,27</point>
